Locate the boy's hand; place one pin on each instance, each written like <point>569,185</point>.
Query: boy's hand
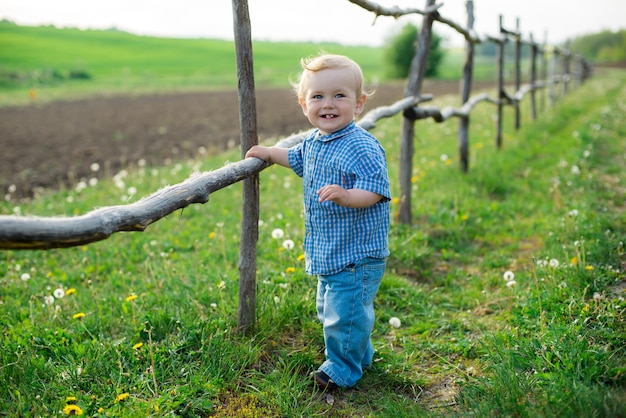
<point>260,152</point>
<point>334,193</point>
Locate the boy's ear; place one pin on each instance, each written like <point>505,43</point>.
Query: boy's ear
<point>360,104</point>
<point>302,103</point>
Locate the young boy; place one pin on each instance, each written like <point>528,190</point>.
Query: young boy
<point>346,204</point>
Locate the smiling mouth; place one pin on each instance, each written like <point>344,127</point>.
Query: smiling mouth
<point>328,116</point>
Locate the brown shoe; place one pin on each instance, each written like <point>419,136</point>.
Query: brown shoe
<point>324,381</point>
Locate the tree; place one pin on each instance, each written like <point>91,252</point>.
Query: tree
<point>401,49</point>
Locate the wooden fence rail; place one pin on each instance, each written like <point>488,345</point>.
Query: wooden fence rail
<point>37,233</point>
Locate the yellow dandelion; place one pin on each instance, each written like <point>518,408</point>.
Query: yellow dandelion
<point>414,179</point>
<point>290,270</point>
<point>588,267</point>
<point>395,200</point>
<point>585,308</point>
<point>79,315</point>
<point>70,291</point>
<point>212,235</point>
<point>84,248</point>
<point>301,257</point>
<point>281,249</point>
<point>49,274</point>
<point>137,346</point>
<point>72,410</point>
<point>71,399</point>
<point>574,260</point>
<point>131,298</point>
<point>122,396</point>
<point>100,410</point>
<point>465,217</point>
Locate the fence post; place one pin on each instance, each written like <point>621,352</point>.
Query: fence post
<point>533,76</point>
<point>246,312</point>
<point>465,93</point>
<point>518,71</point>
<point>501,94</point>
<point>566,74</point>
<point>544,72</point>
<point>413,88</point>
<point>555,52</point>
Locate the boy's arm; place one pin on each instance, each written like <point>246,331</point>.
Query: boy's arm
<point>273,155</point>
<point>351,198</point>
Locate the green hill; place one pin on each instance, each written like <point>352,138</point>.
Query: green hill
<point>79,62</point>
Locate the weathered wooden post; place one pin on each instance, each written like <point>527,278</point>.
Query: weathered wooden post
<point>544,71</point>
<point>413,88</point>
<point>553,58</point>
<point>501,93</point>
<point>466,90</point>
<point>533,76</point>
<point>566,74</point>
<point>518,71</point>
<point>246,312</point>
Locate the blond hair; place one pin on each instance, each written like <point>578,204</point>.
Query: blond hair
<point>328,62</point>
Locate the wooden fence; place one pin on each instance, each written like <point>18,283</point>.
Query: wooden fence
<point>40,233</point>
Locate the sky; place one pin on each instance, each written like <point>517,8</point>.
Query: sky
<point>317,20</point>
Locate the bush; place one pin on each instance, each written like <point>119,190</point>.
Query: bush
<point>401,50</point>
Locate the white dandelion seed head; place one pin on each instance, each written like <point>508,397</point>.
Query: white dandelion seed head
<point>511,283</point>
<point>597,296</point>
<point>94,167</point>
<point>141,162</point>
<point>12,188</point>
<point>509,275</point>
<point>575,169</point>
<point>81,186</point>
<point>59,293</point>
<point>93,182</point>
<point>276,299</point>
<point>395,322</point>
<point>554,263</point>
<point>444,157</point>
<point>573,213</point>
<point>587,153</point>
<point>132,190</point>
<point>25,277</point>
<point>288,244</point>
<point>49,300</point>
<point>278,233</point>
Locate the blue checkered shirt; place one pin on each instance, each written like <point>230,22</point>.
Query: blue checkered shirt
<point>335,235</point>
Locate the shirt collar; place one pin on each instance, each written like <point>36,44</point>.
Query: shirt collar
<point>337,134</point>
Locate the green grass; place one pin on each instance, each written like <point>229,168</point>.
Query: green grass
<point>66,63</point>
<point>58,63</point>
<point>158,336</point>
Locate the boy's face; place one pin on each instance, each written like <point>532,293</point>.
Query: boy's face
<point>330,102</point>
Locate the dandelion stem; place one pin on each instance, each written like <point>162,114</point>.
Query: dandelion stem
<point>156,386</point>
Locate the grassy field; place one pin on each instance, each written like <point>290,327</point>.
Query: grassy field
<point>55,64</point>
<point>58,63</point>
<point>509,286</point>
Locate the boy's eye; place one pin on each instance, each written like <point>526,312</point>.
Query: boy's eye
<point>317,96</point>
<point>340,95</point>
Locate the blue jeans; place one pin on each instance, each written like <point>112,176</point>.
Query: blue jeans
<point>345,306</point>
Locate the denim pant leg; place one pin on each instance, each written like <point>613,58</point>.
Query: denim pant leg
<point>345,306</point>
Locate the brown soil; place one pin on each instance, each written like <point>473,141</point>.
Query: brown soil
<point>54,145</point>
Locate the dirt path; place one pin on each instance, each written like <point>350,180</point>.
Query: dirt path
<point>54,145</point>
